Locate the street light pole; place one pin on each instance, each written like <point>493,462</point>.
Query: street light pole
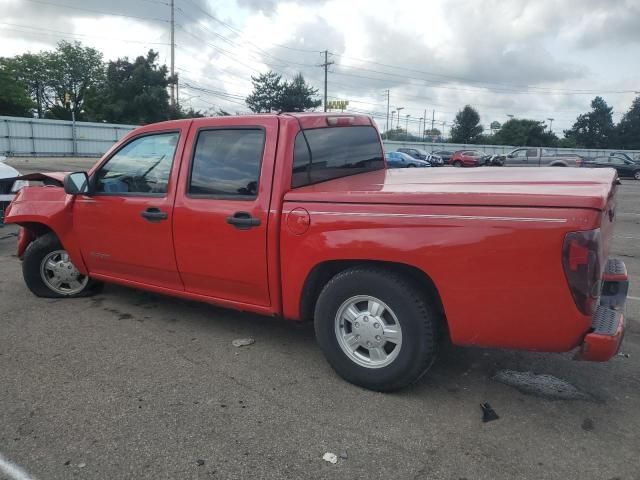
<point>406,129</point>
<point>399,109</point>
<point>392,114</point>
<point>550,124</point>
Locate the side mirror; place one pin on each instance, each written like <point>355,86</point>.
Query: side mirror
<point>76,183</point>
<point>510,156</point>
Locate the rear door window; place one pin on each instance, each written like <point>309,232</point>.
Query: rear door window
<point>325,153</point>
<point>227,163</point>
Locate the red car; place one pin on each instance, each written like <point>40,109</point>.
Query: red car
<point>466,158</point>
<point>295,215</point>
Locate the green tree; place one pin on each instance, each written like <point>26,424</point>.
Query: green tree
<point>133,92</point>
<point>524,132</point>
<point>14,99</point>
<point>267,92</point>
<point>222,113</point>
<point>466,126</point>
<point>297,96</point>
<point>31,70</point>
<point>72,70</point>
<point>594,129</point>
<point>628,130</point>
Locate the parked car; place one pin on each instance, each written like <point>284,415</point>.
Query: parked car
<point>435,160</point>
<point>445,155</point>
<point>626,156</point>
<point>8,186</point>
<point>414,152</point>
<point>402,160</point>
<point>296,216</point>
<point>536,157</point>
<point>467,158</point>
<point>626,168</point>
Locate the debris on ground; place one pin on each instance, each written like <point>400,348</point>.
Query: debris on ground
<point>541,385</point>
<point>82,465</point>
<point>243,342</point>
<point>587,425</point>
<point>344,455</point>
<point>488,413</point>
<point>200,462</point>
<point>624,355</point>
<point>330,457</point>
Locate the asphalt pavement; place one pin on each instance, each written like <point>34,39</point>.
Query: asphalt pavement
<point>134,385</point>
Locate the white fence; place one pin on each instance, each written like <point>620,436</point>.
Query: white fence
<point>50,138</point>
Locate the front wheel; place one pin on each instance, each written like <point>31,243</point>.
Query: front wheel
<point>375,328</point>
<point>636,175</point>
<point>49,272</point>
<point>457,164</point>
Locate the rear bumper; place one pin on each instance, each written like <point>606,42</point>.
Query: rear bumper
<point>605,337</point>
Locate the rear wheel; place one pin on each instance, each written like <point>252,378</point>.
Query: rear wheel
<point>375,328</point>
<point>49,272</point>
<point>636,174</point>
<point>457,164</point>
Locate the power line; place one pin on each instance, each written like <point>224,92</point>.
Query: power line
<point>72,35</point>
<point>72,7</point>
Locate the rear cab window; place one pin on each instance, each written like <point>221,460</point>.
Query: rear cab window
<point>322,154</point>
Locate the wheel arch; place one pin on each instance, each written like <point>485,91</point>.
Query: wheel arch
<point>321,273</point>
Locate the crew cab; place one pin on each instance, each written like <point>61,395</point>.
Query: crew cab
<point>536,157</point>
<point>295,215</point>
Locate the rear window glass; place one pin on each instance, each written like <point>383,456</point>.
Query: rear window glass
<point>227,163</point>
<point>335,152</point>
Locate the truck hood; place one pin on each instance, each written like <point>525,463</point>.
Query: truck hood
<point>496,186</point>
<point>7,171</point>
<point>57,177</point>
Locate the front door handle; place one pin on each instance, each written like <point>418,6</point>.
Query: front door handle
<point>243,220</point>
<point>153,214</point>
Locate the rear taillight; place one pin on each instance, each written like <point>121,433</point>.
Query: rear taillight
<point>582,266</point>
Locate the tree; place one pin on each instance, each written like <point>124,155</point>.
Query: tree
<point>267,92</point>
<point>72,70</point>
<point>222,113</point>
<point>133,93</point>
<point>495,126</point>
<point>523,132</point>
<point>31,71</point>
<point>432,132</point>
<point>628,130</point>
<point>466,126</point>
<point>14,99</point>
<point>297,96</point>
<point>594,129</point>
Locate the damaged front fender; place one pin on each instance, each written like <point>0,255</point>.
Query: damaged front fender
<point>42,209</point>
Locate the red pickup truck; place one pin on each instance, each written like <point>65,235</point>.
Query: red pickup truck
<point>295,215</point>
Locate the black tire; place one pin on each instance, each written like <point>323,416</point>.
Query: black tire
<point>411,165</point>
<point>33,257</point>
<point>636,174</point>
<point>417,318</point>
<point>458,164</point>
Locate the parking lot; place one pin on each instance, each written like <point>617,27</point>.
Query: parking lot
<point>129,384</point>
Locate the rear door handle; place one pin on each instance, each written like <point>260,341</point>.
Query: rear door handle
<point>153,214</point>
<point>243,220</point>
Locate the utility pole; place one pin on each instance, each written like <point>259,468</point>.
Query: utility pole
<point>326,67</point>
<point>550,123</point>
<point>425,124</point>
<point>173,55</point>
<point>392,114</point>
<point>388,94</point>
<point>419,129</point>
<point>406,128</point>
<point>399,109</point>
<point>433,119</point>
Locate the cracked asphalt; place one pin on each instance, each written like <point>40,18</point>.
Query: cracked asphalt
<point>133,385</point>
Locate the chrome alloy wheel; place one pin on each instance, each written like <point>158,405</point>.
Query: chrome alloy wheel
<point>60,275</point>
<point>368,331</point>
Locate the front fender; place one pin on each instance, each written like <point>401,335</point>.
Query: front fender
<point>48,207</point>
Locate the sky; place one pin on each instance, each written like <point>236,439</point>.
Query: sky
<point>531,59</point>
